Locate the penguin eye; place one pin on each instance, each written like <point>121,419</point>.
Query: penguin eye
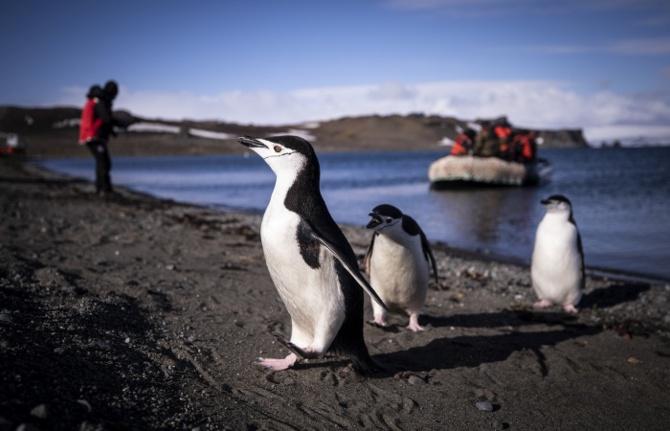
<point>277,149</point>
<point>389,219</point>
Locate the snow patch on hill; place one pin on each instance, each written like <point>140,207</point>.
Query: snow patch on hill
<point>153,128</point>
<point>208,134</point>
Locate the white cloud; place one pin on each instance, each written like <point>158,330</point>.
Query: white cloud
<point>645,46</point>
<point>541,104</point>
<point>650,46</point>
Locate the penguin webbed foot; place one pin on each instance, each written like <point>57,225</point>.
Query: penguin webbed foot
<point>276,364</point>
<point>542,303</point>
<point>570,309</point>
<point>414,325</point>
<point>304,354</point>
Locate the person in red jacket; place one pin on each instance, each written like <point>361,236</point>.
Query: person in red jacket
<point>503,132</point>
<point>464,143</point>
<point>526,147</point>
<point>95,128</point>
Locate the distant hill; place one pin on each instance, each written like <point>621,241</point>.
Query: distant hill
<point>52,132</point>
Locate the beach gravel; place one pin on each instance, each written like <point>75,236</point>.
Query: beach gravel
<point>131,312</point>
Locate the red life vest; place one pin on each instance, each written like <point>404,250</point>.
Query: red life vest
<point>502,132</point>
<point>526,144</point>
<point>461,144</point>
<point>89,125</point>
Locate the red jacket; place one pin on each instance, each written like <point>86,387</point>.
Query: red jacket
<point>90,124</point>
<point>462,145</point>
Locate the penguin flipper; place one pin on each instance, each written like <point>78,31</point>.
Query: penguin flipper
<point>353,271</point>
<point>580,249</point>
<point>428,252</point>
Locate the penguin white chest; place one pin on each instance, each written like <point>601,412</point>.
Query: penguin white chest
<point>556,263</point>
<point>399,273</point>
<point>310,294</point>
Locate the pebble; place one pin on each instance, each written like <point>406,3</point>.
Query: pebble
<point>40,411</point>
<point>633,360</point>
<point>484,406</point>
<point>414,380</point>
<point>127,340</point>
<point>86,404</point>
<point>169,267</point>
<point>5,317</point>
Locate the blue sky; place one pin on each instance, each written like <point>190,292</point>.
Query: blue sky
<point>288,61</point>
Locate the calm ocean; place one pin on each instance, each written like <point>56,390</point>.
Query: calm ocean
<point>621,197</point>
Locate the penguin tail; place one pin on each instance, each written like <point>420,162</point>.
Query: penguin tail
<point>365,365</point>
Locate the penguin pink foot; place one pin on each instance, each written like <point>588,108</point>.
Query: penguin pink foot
<point>569,308</point>
<point>379,321</point>
<point>414,323</point>
<point>278,364</point>
<point>543,303</point>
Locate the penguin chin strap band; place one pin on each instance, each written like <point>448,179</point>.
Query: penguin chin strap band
<point>278,155</point>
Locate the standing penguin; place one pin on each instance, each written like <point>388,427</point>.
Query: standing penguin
<point>310,261</point>
<point>397,263</point>
<point>557,267</point>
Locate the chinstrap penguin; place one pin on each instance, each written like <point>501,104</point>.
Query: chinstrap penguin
<point>310,261</point>
<point>397,263</point>
<point>557,267</point>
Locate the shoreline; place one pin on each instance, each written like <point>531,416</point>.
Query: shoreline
<point>596,271</point>
<point>140,313</point>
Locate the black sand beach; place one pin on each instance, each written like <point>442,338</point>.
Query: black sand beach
<point>136,313</point>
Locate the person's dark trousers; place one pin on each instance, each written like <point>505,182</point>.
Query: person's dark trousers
<point>103,165</point>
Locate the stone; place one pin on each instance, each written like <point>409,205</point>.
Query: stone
<point>40,411</point>
<point>484,406</point>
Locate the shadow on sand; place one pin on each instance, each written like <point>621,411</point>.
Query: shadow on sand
<point>474,350</point>
<point>614,294</point>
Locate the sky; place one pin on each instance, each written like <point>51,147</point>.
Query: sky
<point>602,65</point>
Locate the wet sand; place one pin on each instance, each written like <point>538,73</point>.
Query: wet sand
<point>134,312</point>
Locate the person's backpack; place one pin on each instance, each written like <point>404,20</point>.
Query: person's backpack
<point>89,124</point>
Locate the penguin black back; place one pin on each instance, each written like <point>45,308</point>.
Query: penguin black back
<point>305,199</point>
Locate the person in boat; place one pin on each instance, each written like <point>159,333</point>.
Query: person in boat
<point>525,147</point>
<point>464,143</point>
<point>503,133</point>
<point>486,144</point>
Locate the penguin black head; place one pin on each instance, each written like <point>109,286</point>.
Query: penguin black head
<point>557,203</point>
<point>384,216</point>
<point>286,154</point>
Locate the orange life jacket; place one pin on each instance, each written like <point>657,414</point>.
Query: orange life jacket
<point>89,125</point>
<point>525,141</point>
<point>502,132</point>
<point>460,145</point>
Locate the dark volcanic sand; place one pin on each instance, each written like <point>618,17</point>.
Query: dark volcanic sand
<point>133,312</point>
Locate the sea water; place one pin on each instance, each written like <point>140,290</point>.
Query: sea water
<point>621,197</point>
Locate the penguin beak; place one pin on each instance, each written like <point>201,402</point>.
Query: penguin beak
<point>250,142</point>
<point>545,201</point>
<point>376,221</point>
